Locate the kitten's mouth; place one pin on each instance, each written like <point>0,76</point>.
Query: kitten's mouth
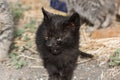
<point>56,51</point>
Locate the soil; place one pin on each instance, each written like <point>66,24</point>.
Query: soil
<point>87,69</point>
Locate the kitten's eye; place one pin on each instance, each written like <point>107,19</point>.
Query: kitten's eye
<point>46,38</point>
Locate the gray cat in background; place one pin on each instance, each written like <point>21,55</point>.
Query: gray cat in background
<point>6,29</point>
<point>97,12</point>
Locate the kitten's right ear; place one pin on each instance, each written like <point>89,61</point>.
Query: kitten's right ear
<point>46,14</point>
<point>75,19</point>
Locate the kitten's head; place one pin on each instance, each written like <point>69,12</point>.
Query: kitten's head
<point>61,32</point>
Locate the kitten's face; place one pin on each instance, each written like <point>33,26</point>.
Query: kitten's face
<point>57,39</point>
<point>60,31</point>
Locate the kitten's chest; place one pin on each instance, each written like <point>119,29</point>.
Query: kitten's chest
<point>64,59</point>
<point>61,61</point>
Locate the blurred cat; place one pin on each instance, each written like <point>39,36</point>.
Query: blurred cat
<point>57,41</point>
<point>97,12</point>
<point>6,29</point>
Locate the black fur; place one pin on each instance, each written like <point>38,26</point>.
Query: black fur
<point>57,40</point>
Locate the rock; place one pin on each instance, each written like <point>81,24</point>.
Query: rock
<point>6,29</point>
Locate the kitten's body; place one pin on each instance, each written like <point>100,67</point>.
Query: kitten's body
<point>6,29</point>
<point>97,12</point>
<point>57,40</point>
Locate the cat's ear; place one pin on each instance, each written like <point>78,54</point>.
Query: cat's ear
<point>74,19</point>
<point>46,14</point>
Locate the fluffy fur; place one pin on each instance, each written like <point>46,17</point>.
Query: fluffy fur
<point>57,41</point>
<point>97,12</point>
<point>6,29</point>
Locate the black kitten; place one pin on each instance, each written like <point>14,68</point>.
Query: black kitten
<point>57,40</point>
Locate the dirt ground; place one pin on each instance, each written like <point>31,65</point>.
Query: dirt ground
<point>101,46</point>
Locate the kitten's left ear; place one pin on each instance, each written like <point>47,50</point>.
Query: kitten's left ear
<point>46,14</point>
<point>75,20</point>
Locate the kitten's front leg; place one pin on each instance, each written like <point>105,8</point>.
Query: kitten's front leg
<point>54,77</point>
<point>53,72</point>
<point>67,73</point>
